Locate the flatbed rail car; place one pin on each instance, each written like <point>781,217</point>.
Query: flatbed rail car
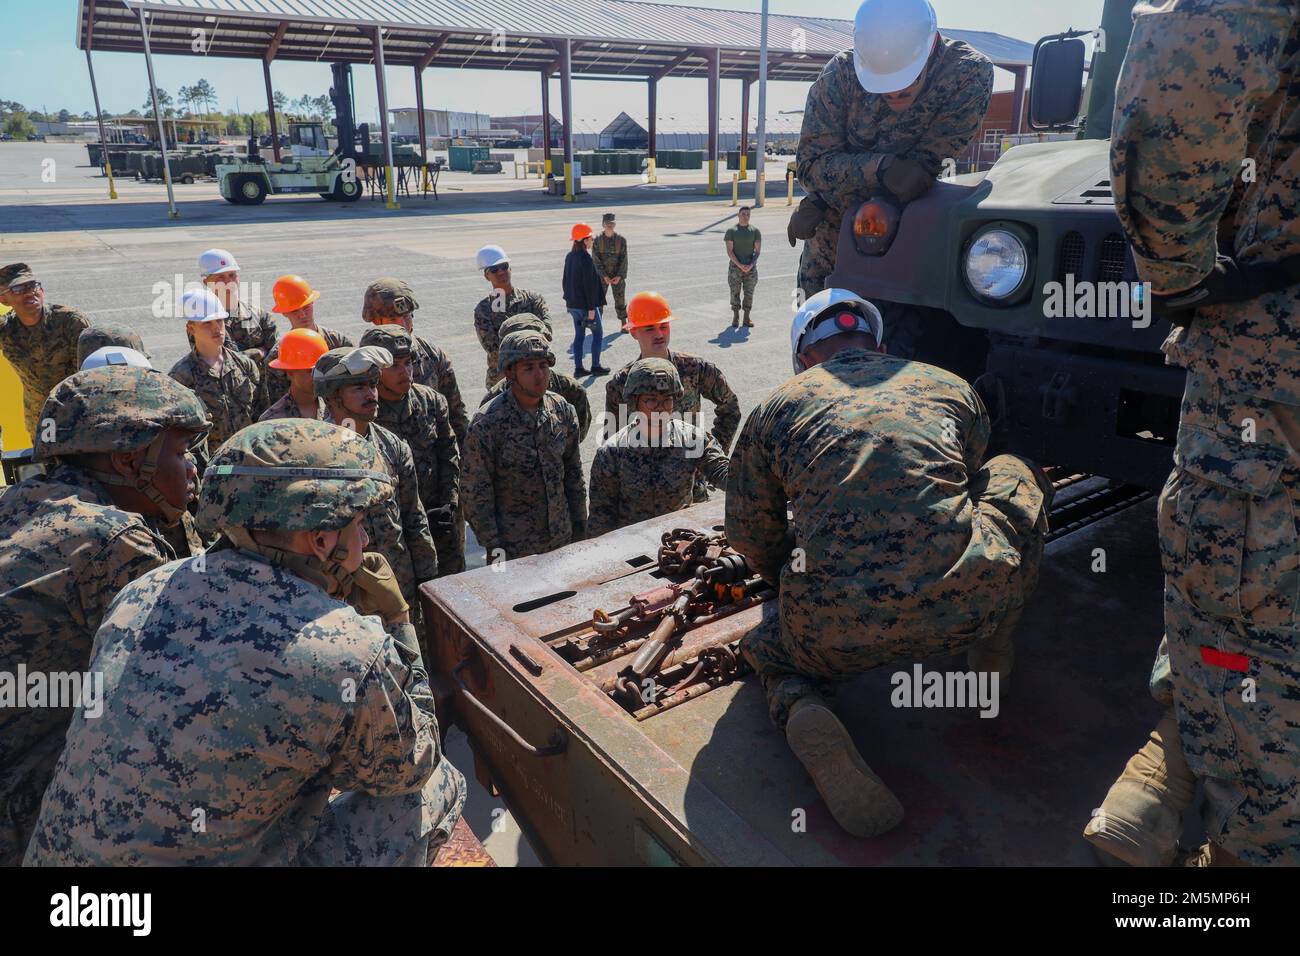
<point>712,782</point>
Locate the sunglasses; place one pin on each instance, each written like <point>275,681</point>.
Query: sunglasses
<point>497,270</point>
<point>25,287</point>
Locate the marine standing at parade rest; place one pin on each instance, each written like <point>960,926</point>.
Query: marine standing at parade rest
<point>296,731</point>
<point>70,539</point>
<point>609,252</point>
<point>905,543</point>
<point>522,486</point>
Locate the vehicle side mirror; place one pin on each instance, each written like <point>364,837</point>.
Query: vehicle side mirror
<point>1056,95</point>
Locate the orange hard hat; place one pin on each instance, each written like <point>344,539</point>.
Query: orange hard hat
<point>299,350</point>
<point>580,231</point>
<point>647,309</point>
<point>291,293</point>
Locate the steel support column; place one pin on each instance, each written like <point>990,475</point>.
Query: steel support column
<point>715,81</point>
<point>744,126</point>
<point>419,112</point>
<point>546,127</point>
<point>381,83</point>
<point>270,111</point>
<point>99,118</point>
<point>1018,107</point>
<point>760,138</point>
<point>566,106</point>
<point>157,115</point>
<point>652,151</point>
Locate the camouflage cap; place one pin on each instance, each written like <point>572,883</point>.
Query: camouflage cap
<point>518,346</point>
<point>115,408</point>
<point>524,321</point>
<point>99,336</point>
<point>345,366</point>
<point>16,273</point>
<point>291,474</point>
<point>388,296</point>
<point>652,376</point>
<point>395,339</point>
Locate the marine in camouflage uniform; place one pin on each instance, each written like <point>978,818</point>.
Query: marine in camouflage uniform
<point>390,301</point>
<point>43,354</point>
<point>495,308</point>
<point>66,548</point>
<point>286,407</point>
<point>264,690</point>
<point>910,547</point>
<point>96,337</point>
<point>847,132</point>
<point>234,395</point>
<point>610,255</point>
<point>248,328</point>
<point>277,383</point>
<point>522,486</point>
<point>562,384</point>
<point>420,417</point>
<point>399,530</point>
<point>1205,86</point>
<point>637,474</point>
<point>700,379</point>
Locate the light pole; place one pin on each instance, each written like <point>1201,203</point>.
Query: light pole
<point>760,185</point>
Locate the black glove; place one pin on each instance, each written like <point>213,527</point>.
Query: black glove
<point>441,520</point>
<point>1227,282</point>
<point>806,219</point>
<point>905,178</point>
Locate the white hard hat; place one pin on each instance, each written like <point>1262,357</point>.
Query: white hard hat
<point>215,261</point>
<point>490,256</point>
<point>892,40</point>
<point>200,305</point>
<point>115,355</point>
<point>806,330</point>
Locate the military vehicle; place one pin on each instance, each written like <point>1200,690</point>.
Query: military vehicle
<point>312,168</point>
<point>1021,279</point>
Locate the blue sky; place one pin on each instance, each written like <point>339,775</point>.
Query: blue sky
<point>41,66</point>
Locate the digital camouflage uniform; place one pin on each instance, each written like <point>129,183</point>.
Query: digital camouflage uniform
<point>741,285</point>
<point>610,255</point>
<point>277,382</point>
<point>42,355</point>
<point>631,481</point>
<point>286,407</point>
<point>234,397</point>
<point>1205,86</point>
<point>522,487</point>
<point>249,328</point>
<point>431,366</point>
<point>65,551</point>
<point>700,379</point>
<point>912,546</point>
<point>421,418</point>
<point>563,385</point>
<point>848,131</point>
<point>494,309</point>
<point>239,694</point>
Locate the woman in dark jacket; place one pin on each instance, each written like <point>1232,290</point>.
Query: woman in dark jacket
<point>584,295</point>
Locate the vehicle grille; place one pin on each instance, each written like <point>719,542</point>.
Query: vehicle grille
<point>1069,257</point>
<point>1114,258</point>
<point>1109,263</point>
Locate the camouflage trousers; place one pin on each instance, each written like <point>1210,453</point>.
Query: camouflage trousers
<point>739,281</point>
<point>792,650</point>
<point>1230,661</point>
<point>817,260</point>
<point>450,546</point>
<point>619,290</point>
<point>359,829</point>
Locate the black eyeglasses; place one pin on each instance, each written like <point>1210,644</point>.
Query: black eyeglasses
<point>504,267</point>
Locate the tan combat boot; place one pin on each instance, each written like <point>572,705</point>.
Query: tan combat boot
<point>749,323</point>
<point>735,318</point>
<point>1139,821</point>
<point>1211,854</point>
<point>858,799</point>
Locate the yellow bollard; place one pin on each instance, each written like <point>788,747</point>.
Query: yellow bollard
<point>389,185</point>
<point>713,177</point>
<point>13,426</point>
<point>760,190</point>
<point>568,183</point>
<point>108,171</point>
<point>651,172</point>
<point>735,188</point>
<point>789,187</point>
<point>743,173</point>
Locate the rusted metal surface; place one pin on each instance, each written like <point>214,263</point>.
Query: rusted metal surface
<point>704,777</point>
<point>461,849</point>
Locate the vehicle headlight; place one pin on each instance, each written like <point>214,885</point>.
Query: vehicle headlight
<point>997,265</point>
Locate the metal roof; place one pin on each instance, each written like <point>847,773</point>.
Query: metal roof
<point>610,37</point>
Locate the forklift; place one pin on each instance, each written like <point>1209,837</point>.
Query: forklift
<point>332,174</point>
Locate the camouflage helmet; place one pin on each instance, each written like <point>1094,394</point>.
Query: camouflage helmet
<point>518,346</point>
<point>524,321</point>
<point>393,338</point>
<point>346,366</point>
<point>388,296</point>
<point>295,474</point>
<point>652,376</point>
<point>96,337</point>
<point>116,408</point>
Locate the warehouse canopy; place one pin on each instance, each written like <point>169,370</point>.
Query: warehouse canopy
<point>618,38</point>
